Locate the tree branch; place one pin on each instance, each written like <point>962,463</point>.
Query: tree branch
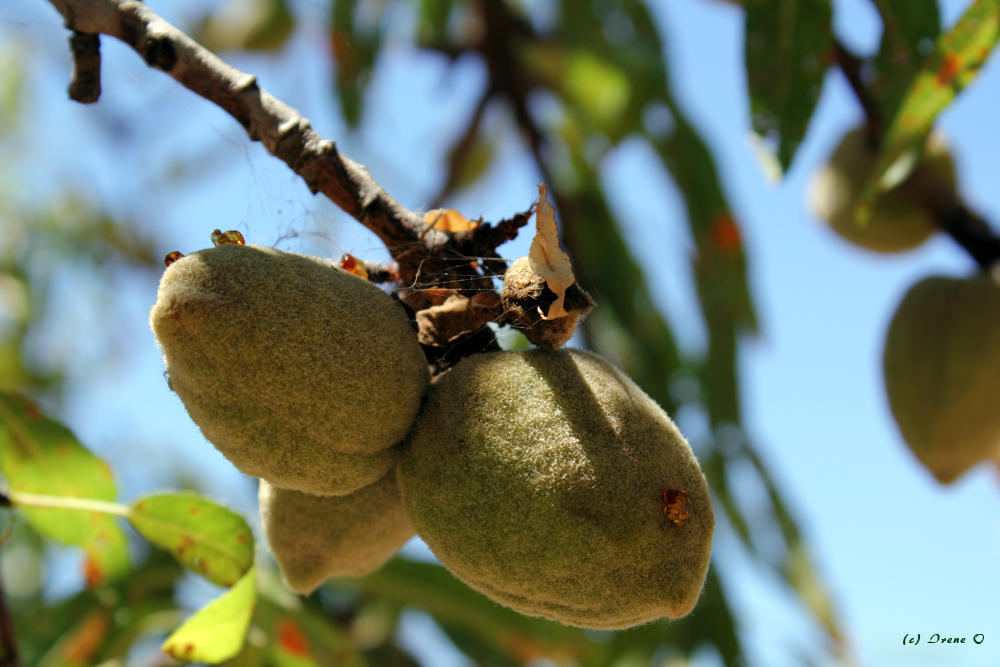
<point>924,186</point>
<point>8,640</point>
<point>282,130</point>
<point>85,86</point>
<point>9,655</point>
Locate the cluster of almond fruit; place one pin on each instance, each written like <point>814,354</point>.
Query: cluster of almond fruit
<point>941,361</point>
<point>545,479</point>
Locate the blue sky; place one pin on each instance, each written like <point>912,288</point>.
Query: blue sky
<point>901,553</point>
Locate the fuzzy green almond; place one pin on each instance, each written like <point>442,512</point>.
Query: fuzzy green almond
<point>299,372</point>
<point>897,222</point>
<point>314,538</point>
<point>942,372</point>
<point>538,478</point>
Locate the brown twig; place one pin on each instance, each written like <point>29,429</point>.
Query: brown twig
<point>283,131</point>
<point>85,86</point>
<point>9,657</point>
<point>945,205</point>
<point>851,65</point>
<point>381,273</point>
<point>8,640</point>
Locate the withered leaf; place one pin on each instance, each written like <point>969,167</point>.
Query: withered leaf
<point>546,257</point>
<point>458,315</point>
<point>449,220</point>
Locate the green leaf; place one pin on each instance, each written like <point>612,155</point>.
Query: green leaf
<point>908,25</point>
<point>451,602</point>
<point>354,52</point>
<point>434,18</point>
<point>600,87</point>
<point>205,537</point>
<point>788,46</point>
<point>216,631</point>
<point>79,646</point>
<point>303,638</point>
<point>41,456</point>
<point>256,25</point>
<point>273,30</point>
<point>957,57</point>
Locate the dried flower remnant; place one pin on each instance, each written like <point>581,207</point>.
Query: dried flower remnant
<point>678,507</point>
<point>172,257</point>
<point>352,264</point>
<point>547,259</point>
<point>232,236</point>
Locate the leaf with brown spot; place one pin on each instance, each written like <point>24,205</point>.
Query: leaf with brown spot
<point>217,631</point>
<point>957,57</point>
<point>204,536</point>
<point>546,257</point>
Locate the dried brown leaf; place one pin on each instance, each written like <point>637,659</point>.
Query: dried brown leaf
<point>457,316</point>
<point>546,257</point>
<point>449,220</point>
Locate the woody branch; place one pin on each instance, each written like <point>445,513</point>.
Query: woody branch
<point>283,131</point>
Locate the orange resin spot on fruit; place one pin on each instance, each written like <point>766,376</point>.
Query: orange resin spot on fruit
<point>232,236</point>
<point>353,265</point>
<point>172,257</point>
<point>678,507</point>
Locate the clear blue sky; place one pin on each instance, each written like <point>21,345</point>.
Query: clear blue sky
<point>901,553</point>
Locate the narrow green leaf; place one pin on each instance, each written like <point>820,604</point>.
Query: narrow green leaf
<point>273,30</point>
<point>788,46</point>
<point>909,27</point>
<point>260,26</point>
<point>957,57</point>
<point>450,601</point>
<point>216,631</point>
<point>434,18</point>
<point>41,456</point>
<point>79,646</point>
<point>354,52</point>
<point>205,537</point>
<point>600,87</point>
<point>303,638</point>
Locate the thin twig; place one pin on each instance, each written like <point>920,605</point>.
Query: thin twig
<point>9,656</point>
<point>282,130</point>
<point>85,87</point>
<point>851,65</point>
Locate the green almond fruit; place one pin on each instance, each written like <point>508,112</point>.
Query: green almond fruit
<point>314,538</point>
<point>942,372</point>
<point>552,484</point>
<point>299,372</point>
<point>897,223</point>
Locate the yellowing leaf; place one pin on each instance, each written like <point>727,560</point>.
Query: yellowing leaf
<point>547,259</point>
<point>202,535</point>
<point>216,632</point>
<point>449,220</point>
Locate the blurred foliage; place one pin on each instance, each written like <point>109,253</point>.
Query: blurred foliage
<point>951,66</point>
<point>788,44</point>
<point>602,67</point>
